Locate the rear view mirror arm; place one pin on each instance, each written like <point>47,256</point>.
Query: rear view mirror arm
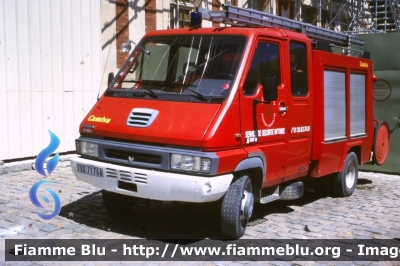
<point>256,101</point>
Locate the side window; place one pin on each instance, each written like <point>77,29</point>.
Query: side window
<point>269,61</point>
<point>298,68</point>
<point>265,63</point>
<point>252,79</point>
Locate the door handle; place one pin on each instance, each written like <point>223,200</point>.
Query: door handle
<point>283,108</point>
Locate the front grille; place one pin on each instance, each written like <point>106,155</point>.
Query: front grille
<point>111,173</point>
<point>140,178</point>
<point>126,176</point>
<point>134,156</point>
<point>141,117</point>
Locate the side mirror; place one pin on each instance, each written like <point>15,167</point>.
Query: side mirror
<point>126,47</point>
<point>110,78</point>
<point>270,89</point>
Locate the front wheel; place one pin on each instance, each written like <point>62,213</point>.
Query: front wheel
<point>237,207</point>
<point>345,182</point>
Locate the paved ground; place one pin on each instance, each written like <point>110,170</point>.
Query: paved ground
<point>372,212</point>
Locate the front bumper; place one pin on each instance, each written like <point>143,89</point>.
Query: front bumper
<point>152,184</point>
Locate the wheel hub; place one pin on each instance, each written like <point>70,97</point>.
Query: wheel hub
<point>350,175</point>
<point>246,208</point>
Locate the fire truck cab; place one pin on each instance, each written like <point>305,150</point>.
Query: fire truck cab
<point>235,115</point>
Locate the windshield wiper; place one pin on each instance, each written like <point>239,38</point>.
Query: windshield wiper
<point>174,83</point>
<point>198,95</point>
<point>150,92</point>
<point>183,85</point>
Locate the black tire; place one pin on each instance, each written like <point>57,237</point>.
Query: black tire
<point>237,207</point>
<point>116,203</point>
<point>345,182</point>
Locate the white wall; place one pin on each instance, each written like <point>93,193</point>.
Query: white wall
<point>108,42</point>
<point>50,72</point>
<point>55,56</point>
<point>137,26</point>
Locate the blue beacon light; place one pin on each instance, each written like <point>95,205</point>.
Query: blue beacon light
<point>195,19</point>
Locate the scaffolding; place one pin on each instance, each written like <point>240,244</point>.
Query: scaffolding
<point>351,16</point>
<point>373,16</point>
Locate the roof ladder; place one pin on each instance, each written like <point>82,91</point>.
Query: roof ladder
<point>238,16</point>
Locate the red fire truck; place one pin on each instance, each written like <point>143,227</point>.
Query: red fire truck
<point>236,115</point>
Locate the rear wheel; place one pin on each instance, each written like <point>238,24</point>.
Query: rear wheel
<point>345,182</point>
<point>116,203</point>
<point>237,207</point>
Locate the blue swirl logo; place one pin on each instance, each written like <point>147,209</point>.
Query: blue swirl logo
<point>35,201</point>
<point>51,165</point>
<point>46,152</point>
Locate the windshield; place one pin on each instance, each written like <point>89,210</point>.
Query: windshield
<point>180,68</point>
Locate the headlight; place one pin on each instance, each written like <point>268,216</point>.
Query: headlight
<point>190,163</point>
<point>87,148</point>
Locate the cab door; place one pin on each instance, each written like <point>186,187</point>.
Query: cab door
<point>263,122</point>
<point>300,114</point>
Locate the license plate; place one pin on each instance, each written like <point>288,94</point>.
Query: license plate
<point>89,170</point>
